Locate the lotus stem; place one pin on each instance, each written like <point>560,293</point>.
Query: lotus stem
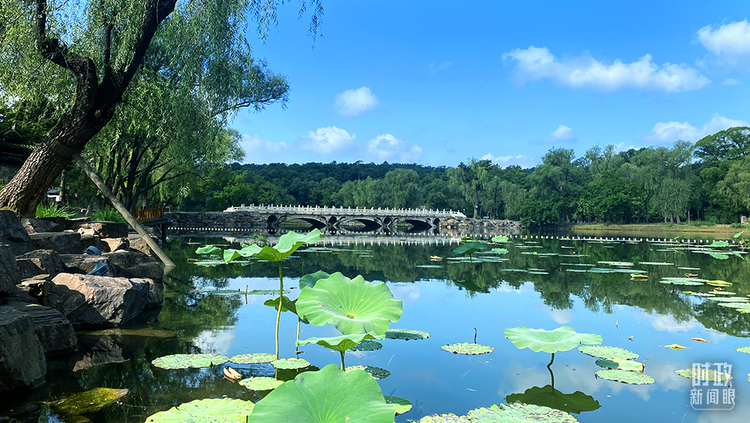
<point>552,378</point>
<point>551,361</point>
<point>296,346</point>
<point>278,311</point>
<point>343,366</point>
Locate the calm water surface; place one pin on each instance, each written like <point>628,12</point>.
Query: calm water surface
<point>449,299</point>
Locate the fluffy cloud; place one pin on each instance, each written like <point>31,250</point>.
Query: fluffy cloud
<point>387,147</point>
<point>535,63</point>
<point>562,133</point>
<point>258,150</point>
<point>355,102</point>
<point>730,43</point>
<point>520,160</point>
<point>673,131</point>
<point>328,140</point>
<point>731,81</point>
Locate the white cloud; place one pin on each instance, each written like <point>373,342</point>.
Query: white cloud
<point>258,150</point>
<point>730,43</point>
<point>621,146</point>
<point>355,102</point>
<point>387,147</point>
<point>562,133</point>
<point>435,68</point>
<point>731,81</point>
<point>673,131</point>
<point>535,63</point>
<point>328,140</point>
<point>519,160</point>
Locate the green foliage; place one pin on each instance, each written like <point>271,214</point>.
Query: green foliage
<point>54,210</point>
<point>107,214</point>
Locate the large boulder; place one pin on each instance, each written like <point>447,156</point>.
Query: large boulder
<point>53,330</point>
<point>22,363</point>
<point>101,301</point>
<point>135,264</point>
<point>10,275</point>
<point>13,233</point>
<point>84,263</point>
<point>36,225</point>
<point>39,262</point>
<point>102,229</point>
<point>138,243</point>
<point>62,242</point>
<point>116,244</point>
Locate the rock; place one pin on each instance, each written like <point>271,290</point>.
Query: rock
<point>39,262</point>
<point>37,287</point>
<point>100,301</point>
<point>743,220</point>
<point>92,241</point>
<point>37,225</point>
<point>152,271</point>
<point>53,330</point>
<point>84,263</point>
<point>135,264</point>
<point>103,229</point>
<point>139,244</point>
<point>116,244</point>
<point>62,242</point>
<point>105,350</point>
<point>10,274</point>
<point>22,363</point>
<point>13,233</point>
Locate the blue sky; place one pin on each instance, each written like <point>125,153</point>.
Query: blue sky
<point>439,82</point>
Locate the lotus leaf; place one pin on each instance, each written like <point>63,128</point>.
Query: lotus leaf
<point>676,347</point>
<point>376,372</point>
<point>222,292</point>
<point>745,350</point>
<point>656,263</point>
<point>624,376</point>
<point>444,418</point>
<point>620,364</point>
<point>290,363</point>
<point>708,375</point>
<point>561,339</point>
<point>467,348</point>
<point>683,281</point>
<point>254,358</point>
<point>351,305</point>
<point>402,405</point>
<point>719,256</point>
<point>618,263</point>
<point>368,345</point>
<point>499,239</point>
<point>607,352</point>
<point>429,266</point>
<point>184,361</point>
<point>311,279</point>
<point>470,248</point>
<point>267,292</point>
<point>406,334</point>
<point>326,396</point>
<point>209,263</point>
<point>286,304</point>
<point>518,413</point>
<point>719,283</point>
<point>208,249</point>
<point>261,383</point>
<point>288,244</point>
<point>500,250</point>
<point>548,396</point>
<point>339,343</point>
<point>87,402</point>
<point>719,244</point>
<point>210,410</point>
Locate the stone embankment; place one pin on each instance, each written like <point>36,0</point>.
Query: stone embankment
<point>47,293</point>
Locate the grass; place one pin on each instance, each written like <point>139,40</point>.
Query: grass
<point>53,210</point>
<point>107,214</point>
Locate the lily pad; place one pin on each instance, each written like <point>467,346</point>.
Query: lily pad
<point>325,396</point>
<point>290,363</point>
<point>220,292</point>
<point>210,410</point>
<point>338,343</point>
<point>718,283</point>
<point>368,345</point>
<point>87,402</point>
<point>376,372</point>
<point>444,418</point>
<point>266,292</point>
<point>548,396</point>
<point>406,334</point>
<point>745,350</point>
<point>675,347</point>
<point>620,364</point>
<point>470,248</point>
<point>499,239</point>
<point>402,405</point>
<point>683,281</point>
<point>288,244</point>
<point>467,348</point>
<point>253,358</point>
<point>351,305</point>
<point>512,413</point>
<point>561,339</point>
<point>607,352</point>
<point>708,375</point>
<point>184,361</point>
<point>261,383</point>
<point>624,376</point>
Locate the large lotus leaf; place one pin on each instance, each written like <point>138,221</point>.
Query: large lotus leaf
<point>286,304</point>
<point>184,361</point>
<point>261,383</point>
<point>406,334</point>
<point>87,402</point>
<point>339,343</point>
<point>288,244</point>
<point>470,248</point>
<point>311,279</point>
<point>624,376</point>
<point>519,413</point>
<point>607,352</point>
<point>253,358</point>
<point>467,348</point>
<point>290,363</point>
<point>402,405</point>
<point>210,410</point>
<point>351,305</point>
<point>326,396</point>
<point>561,339</point>
<point>208,249</point>
<point>548,396</point>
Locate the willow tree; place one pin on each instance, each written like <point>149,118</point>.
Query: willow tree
<point>82,56</point>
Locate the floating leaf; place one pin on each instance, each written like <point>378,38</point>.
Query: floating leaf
<point>290,363</point>
<point>499,239</point>
<point>682,281</point>
<point>655,263</point>
<point>607,352</point>
<point>402,405</point>
<point>719,283</point>
<point>338,343</point>
<point>561,339</point>
<point>267,292</point>
<point>708,375</point>
<point>87,402</point>
<point>351,305</point>
<point>700,340</point>
<point>184,361</point>
<point>288,244</point>
<point>326,396</point>
<point>311,279</point>
<point>624,376</point>
<point>519,413</point>
<point>745,350</point>
<point>254,358</point>
<point>548,396</point>
<point>406,334</point>
<point>220,292</point>
<point>470,248</point>
<point>719,244</point>
<point>675,347</point>
<point>376,372</point>
<point>208,249</point>
<point>467,348</point>
<point>719,256</point>
<point>618,263</point>
<point>210,410</point>
<point>368,345</point>
<point>620,364</point>
<point>261,383</point>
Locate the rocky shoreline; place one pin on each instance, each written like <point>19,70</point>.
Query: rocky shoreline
<point>60,276</point>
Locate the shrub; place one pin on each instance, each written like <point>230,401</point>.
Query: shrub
<point>53,210</point>
<point>107,214</point>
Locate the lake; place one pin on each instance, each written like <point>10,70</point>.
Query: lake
<point>539,283</point>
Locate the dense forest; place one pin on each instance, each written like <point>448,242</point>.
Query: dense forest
<point>708,180</point>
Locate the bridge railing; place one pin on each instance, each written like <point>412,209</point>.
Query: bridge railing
<point>347,211</point>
